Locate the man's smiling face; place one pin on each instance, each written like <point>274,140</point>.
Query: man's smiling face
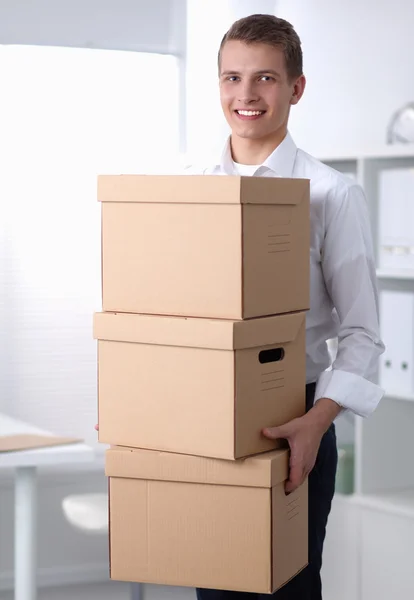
<point>255,90</point>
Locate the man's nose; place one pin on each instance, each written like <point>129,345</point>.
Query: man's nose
<point>247,94</point>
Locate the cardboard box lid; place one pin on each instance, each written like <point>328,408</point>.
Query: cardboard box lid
<point>219,334</point>
<point>201,189</point>
<point>263,470</point>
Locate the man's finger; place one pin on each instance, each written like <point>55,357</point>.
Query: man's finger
<point>296,478</point>
<point>97,427</point>
<point>276,433</point>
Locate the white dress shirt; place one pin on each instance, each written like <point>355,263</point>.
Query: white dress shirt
<point>343,286</point>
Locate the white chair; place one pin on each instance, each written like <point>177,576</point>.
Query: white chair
<point>89,513</point>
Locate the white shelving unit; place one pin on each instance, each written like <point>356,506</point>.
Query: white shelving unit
<point>400,397</point>
<point>371,531</point>
<point>396,274</point>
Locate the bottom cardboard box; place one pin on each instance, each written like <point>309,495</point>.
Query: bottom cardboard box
<point>198,522</point>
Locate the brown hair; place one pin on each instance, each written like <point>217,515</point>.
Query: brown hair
<point>268,29</point>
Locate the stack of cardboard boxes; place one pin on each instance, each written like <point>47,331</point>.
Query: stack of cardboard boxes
<point>201,344</point>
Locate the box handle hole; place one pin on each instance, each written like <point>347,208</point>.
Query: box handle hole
<point>272,355</point>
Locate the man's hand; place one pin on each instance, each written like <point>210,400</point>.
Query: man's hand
<point>97,427</point>
<point>304,441</point>
<point>304,436</point>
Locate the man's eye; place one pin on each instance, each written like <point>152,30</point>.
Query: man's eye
<point>266,78</point>
<point>232,78</point>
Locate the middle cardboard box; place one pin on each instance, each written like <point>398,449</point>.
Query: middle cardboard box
<point>197,386</point>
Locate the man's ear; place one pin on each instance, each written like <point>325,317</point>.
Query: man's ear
<point>298,89</point>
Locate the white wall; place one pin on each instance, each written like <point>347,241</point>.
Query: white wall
<point>358,58</point>
<point>207,22</point>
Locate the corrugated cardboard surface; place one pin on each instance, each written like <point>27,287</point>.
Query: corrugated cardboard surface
<point>290,524</point>
<point>220,247</point>
<point>276,242</point>
<point>25,441</point>
<point>197,333</point>
<point>172,259</point>
<point>182,189</point>
<point>198,189</point>
<point>194,400</point>
<point>263,470</point>
<point>166,398</point>
<point>234,537</point>
<point>268,392</point>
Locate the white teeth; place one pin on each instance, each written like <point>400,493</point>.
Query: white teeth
<point>249,113</point>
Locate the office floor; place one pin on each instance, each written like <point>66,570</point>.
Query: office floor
<point>98,591</point>
<point>107,591</point>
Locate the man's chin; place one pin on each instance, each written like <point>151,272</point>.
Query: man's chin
<point>249,134</point>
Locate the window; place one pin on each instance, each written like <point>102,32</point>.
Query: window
<point>66,115</point>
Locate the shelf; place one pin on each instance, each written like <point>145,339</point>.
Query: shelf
<point>397,502</point>
<point>406,274</point>
<point>399,397</point>
<point>344,498</point>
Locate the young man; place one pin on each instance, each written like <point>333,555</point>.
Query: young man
<point>260,75</point>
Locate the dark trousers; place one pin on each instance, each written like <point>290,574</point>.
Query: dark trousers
<point>307,584</point>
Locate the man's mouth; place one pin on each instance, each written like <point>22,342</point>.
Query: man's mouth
<point>249,114</point>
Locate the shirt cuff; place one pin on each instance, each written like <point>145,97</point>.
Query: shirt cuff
<point>349,391</point>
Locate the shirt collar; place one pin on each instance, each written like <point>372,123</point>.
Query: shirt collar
<point>280,162</point>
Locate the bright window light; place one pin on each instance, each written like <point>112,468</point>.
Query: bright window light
<point>88,109</point>
<point>67,115</point>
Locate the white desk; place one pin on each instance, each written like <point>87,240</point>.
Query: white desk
<point>25,464</point>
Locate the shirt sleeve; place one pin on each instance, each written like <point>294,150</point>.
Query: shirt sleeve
<point>350,277</point>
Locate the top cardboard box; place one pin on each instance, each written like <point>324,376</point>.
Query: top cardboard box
<point>204,246</point>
